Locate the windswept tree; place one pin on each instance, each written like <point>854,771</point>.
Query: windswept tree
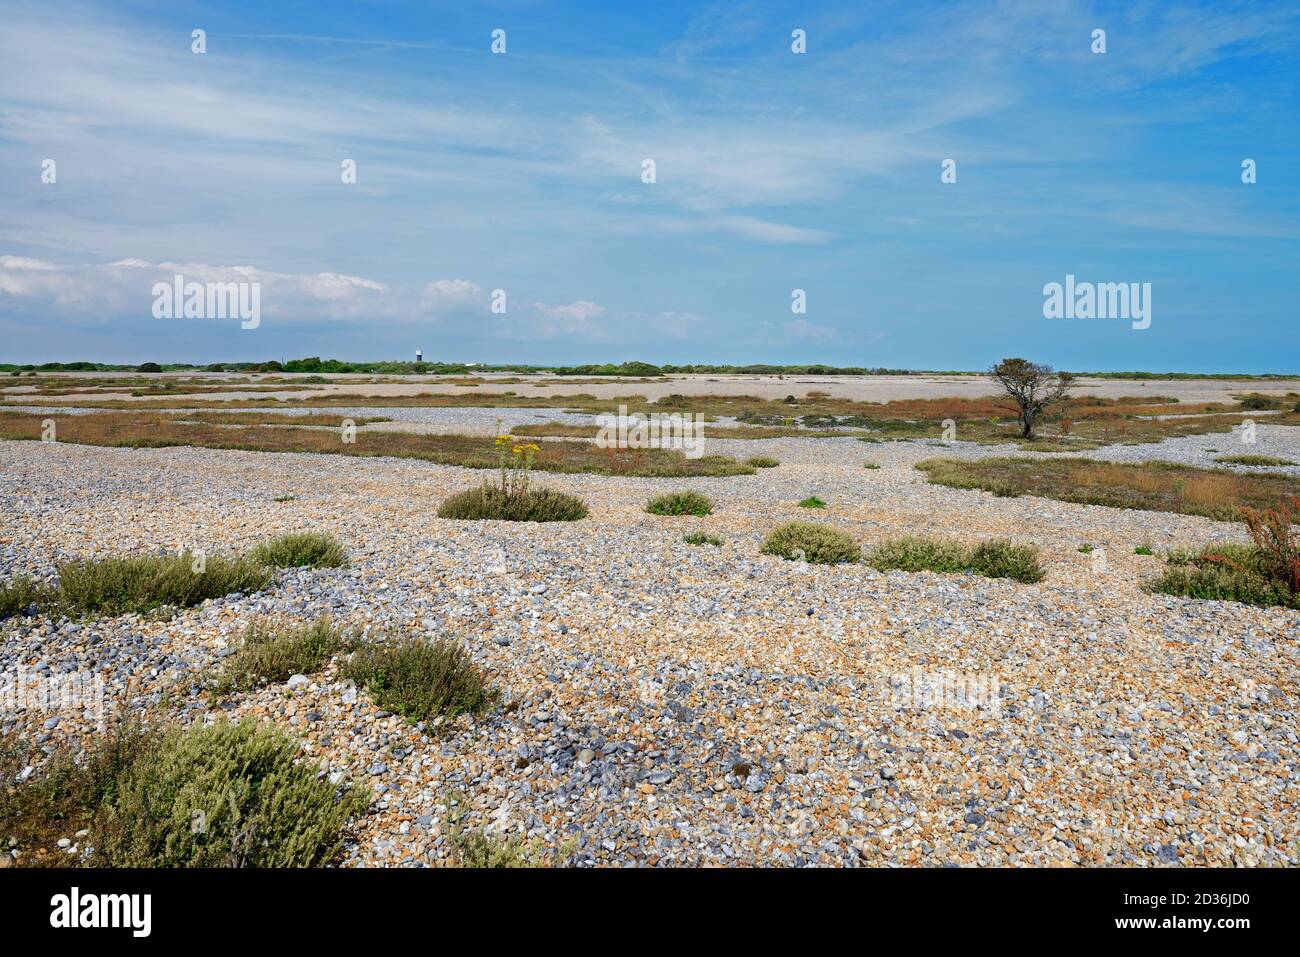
<point>1033,386</point>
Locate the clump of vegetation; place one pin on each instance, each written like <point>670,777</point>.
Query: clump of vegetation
<point>870,465</point>
<point>816,544</point>
<point>284,498</point>
<point>302,549</point>
<point>421,680</point>
<point>269,653</point>
<point>1144,550</point>
<point>475,847</point>
<point>1264,573</point>
<point>513,498</point>
<point>1085,548</point>
<point>701,538</point>
<point>1256,402</point>
<point>222,795</point>
<point>680,503</point>
<point>117,586</point>
<point>762,462</point>
<point>812,501</point>
<point>992,559</point>
<point>1254,460</point>
<point>23,596</point>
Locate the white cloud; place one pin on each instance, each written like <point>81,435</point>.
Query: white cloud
<point>125,287</point>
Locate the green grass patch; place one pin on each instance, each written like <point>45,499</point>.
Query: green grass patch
<point>302,550</point>
<point>762,462</point>
<point>812,501</point>
<point>680,503</point>
<point>421,680</point>
<point>816,544</point>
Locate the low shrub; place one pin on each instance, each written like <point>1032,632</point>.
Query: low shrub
<point>680,503</point>
<point>222,795</point>
<point>1144,550</point>
<point>992,559</point>
<point>812,502</point>
<point>817,544</point>
<point>421,680</point>
<point>700,538</point>
<point>870,465</point>
<point>22,596</point>
<point>302,549</point>
<point>268,653</point>
<point>1211,580</point>
<point>762,462</point>
<point>116,586</point>
<point>531,505</point>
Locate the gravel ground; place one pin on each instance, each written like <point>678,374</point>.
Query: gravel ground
<point>674,705</point>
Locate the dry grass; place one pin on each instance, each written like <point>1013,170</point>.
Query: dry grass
<point>1155,486</point>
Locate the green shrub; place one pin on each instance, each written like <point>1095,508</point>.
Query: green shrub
<point>870,465</point>
<point>680,503</point>
<point>148,367</point>
<point>1085,548</point>
<point>222,795</point>
<point>1222,583</point>
<point>1001,559</point>
<point>267,653</point>
<point>992,559</point>
<point>914,553</point>
<point>474,847</point>
<point>302,549</point>
<point>533,505</point>
<point>116,586</point>
<point>421,680</point>
<point>762,462</point>
<point>700,538</point>
<point>1144,550</point>
<point>21,594</point>
<point>817,544</point>
<point>812,502</point>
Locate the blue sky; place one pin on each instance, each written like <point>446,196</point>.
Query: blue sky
<point>774,172</point>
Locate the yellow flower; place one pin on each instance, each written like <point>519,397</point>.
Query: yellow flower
<point>504,440</point>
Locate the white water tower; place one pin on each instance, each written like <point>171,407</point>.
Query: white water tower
<point>419,355</point>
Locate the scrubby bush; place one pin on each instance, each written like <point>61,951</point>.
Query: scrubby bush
<point>992,559</point>
<point>700,538</point>
<point>812,502</point>
<point>22,595</point>
<point>269,653</point>
<point>116,586</point>
<point>762,462</point>
<point>224,795</point>
<point>817,544</point>
<point>870,465</point>
<point>421,680</point>
<point>680,503</point>
<point>148,367</point>
<point>302,549</point>
<point>1208,578</point>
